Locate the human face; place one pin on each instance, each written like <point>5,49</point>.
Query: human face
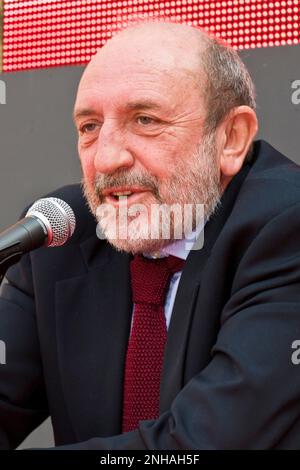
<point>140,123</point>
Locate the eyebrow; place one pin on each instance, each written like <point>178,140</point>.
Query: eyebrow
<point>131,106</point>
<point>143,104</point>
<point>82,112</point>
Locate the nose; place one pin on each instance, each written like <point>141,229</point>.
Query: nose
<point>112,150</point>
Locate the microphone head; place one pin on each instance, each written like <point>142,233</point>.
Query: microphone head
<point>57,217</point>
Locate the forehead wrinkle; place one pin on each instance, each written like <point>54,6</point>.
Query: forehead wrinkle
<point>131,106</point>
<point>134,85</point>
<point>144,95</point>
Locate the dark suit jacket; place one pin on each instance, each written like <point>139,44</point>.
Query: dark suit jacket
<point>228,381</point>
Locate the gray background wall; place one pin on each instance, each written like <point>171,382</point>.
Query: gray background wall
<point>38,141</point>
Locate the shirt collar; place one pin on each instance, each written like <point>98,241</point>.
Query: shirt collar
<point>179,248</point>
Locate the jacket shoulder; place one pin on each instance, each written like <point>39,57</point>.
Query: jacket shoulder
<point>272,184</point>
<point>270,164</point>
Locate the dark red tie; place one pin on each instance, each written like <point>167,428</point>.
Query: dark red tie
<point>150,279</point>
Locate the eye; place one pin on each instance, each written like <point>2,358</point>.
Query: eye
<point>87,128</point>
<point>145,120</point>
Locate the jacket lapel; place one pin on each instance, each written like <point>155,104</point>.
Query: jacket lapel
<point>93,321</point>
<point>173,375</point>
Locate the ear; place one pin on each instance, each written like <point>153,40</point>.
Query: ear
<point>237,133</point>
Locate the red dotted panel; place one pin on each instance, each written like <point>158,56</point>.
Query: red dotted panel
<point>45,33</point>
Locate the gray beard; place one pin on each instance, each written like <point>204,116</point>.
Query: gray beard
<point>195,181</point>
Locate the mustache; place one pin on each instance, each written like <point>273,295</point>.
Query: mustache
<point>123,178</point>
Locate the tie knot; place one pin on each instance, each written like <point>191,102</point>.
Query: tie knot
<point>150,278</point>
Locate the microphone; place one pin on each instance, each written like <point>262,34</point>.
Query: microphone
<point>49,222</point>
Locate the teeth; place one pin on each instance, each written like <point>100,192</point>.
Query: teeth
<point>125,193</point>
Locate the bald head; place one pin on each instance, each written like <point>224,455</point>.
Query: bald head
<point>168,46</point>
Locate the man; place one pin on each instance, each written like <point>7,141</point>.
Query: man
<point>165,114</point>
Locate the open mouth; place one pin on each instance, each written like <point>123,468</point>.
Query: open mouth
<point>120,195</point>
<point>124,196</point>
